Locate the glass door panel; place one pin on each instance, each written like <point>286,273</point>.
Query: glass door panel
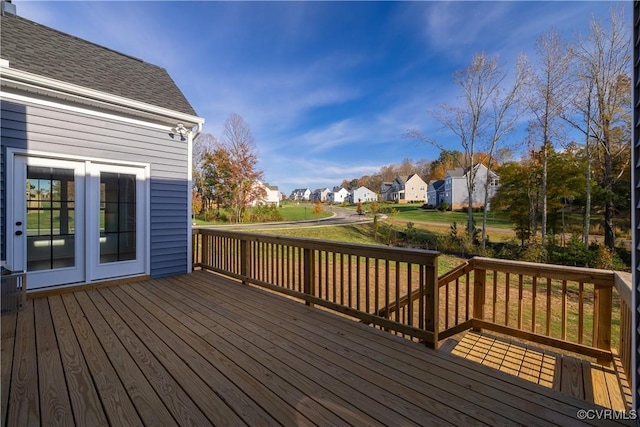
<point>47,202</point>
<point>118,227</point>
<point>117,217</point>
<point>50,218</point>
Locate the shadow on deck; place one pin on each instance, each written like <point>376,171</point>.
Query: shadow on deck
<point>572,375</point>
<point>202,349</point>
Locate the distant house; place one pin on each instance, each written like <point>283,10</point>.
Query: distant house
<point>106,135</point>
<point>405,189</point>
<point>386,191</point>
<point>435,192</point>
<point>300,194</point>
<point>320,194</point>
<point>456,193</point>
<point>271,195</point>
<point>339,195</point>
<point>363,194</point>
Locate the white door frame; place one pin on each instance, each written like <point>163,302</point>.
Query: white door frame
<point>87,177</point>
<point>16,244</point>
<point>96,269</point>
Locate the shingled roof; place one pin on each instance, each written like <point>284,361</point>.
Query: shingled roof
<point>41,50</point>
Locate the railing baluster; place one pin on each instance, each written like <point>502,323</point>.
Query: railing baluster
<point>367,284</point>
<point>457,301</point>
<point>580,311</point>
<point>386,287</point>
<point>335,298</point>
<point>520,279</point>
<point>564,310</point>
<point>507,288</point>
<point>495,296</point>
<point>534,293</point>
<point>349,281</point>
<point>446,306</point>
<point>376,280</point>
<point>548,307</point>
<point>358,281</point>
<point>397,290</point>
<point>410,292</point>
<point>467,301</point>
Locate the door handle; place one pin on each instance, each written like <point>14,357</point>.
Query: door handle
<point>19,233</point>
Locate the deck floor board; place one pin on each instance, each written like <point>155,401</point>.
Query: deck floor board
<point>202,349</point>
<point>572,376</point>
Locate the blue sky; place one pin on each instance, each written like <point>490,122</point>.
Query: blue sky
<point>328,88</point>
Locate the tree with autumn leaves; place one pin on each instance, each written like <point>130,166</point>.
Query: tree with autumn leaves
<point>225,171</point>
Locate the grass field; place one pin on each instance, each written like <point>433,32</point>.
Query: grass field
<point>414,213</point>
<point>288,212</point>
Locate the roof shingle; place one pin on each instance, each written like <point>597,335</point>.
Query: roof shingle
<point>31,47</point>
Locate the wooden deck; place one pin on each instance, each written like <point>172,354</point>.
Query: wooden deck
<point>574,376</point>
<point>201,349</point>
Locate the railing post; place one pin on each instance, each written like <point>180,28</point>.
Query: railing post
<point>206,239</point>
<point>432,312</point>
<point>245,260</point>
<point>194,249</point>
<point>602,307</point>
<point>479,282</point>
<point>309,273</point>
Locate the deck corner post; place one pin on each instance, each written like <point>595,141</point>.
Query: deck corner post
<point>479,282</point>
<point>602,309</point>
<point>309,273</point>
<point>245,260</point>
<point>205,242</point>
<point>432,312</point>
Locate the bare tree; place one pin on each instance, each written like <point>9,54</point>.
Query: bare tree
<point>480,120</point>
<point>244,160</point>
<point>205,143</point>
<point>580,115</point>
<point>502,117</point>
<point>606,59</point>
<point>550,90</point>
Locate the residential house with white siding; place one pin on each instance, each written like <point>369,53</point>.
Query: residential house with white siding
<point>271,195</point>
<point>405,189</point>
<point>363,194</point>
<point>300,194</point>
<point>339,195</point>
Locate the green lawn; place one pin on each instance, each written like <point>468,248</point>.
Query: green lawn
<point>414,213</point>
<point>301,212</point>
<point>357,233</point>
<point>288,212</point>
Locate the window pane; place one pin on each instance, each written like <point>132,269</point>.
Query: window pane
<point>50,218</point>
<point>117,217</point>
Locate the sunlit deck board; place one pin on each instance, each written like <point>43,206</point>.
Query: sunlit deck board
<point>573,376</point>
<point>208,349</point>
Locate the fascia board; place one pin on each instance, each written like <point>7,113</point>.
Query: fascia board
<point>51,87</point>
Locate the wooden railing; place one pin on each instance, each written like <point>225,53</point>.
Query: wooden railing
<point>570,308</point>
<point>581,310</point>
<point>357,280</point>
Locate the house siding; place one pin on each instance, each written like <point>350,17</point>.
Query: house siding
<point>56,131</point>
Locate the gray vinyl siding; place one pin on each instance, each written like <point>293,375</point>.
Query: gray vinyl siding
<point>56,131</point>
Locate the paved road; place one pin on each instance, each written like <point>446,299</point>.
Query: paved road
<point>340,216</point>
